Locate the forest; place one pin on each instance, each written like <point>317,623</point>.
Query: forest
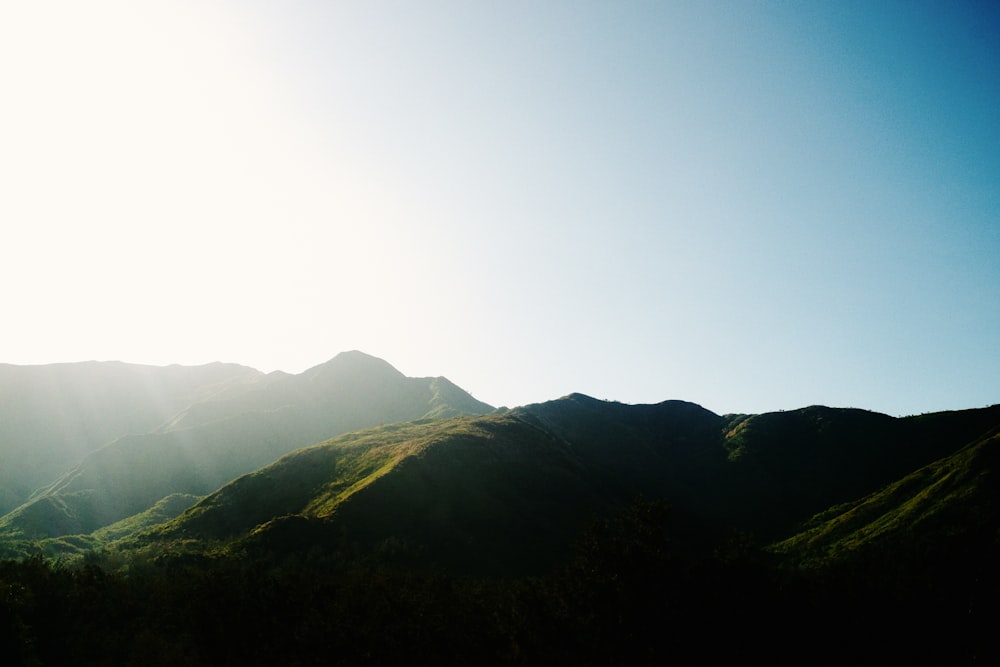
<point>627,596</point>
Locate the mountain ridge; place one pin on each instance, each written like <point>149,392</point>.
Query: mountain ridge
<point>449,480</point>
<point>512,489</point>
<point>572,530</point>
<point>232,432</point>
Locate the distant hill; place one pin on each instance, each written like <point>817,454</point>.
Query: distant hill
<point>52,416</point>
<point>510,492</point>
<point>206,443</point>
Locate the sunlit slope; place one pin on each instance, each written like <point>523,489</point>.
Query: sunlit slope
<point>423,483</point>
<point>491,490</point>
<point>952,501</point>
<point>72,545</point>
<point>509,492</point>
<point>52,416</point>
<point>215,441</point>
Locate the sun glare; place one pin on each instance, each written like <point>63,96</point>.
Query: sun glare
<point>155,181</point>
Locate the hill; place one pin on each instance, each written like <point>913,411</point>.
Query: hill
<point>954,500</point>
<point>52,416</point>
<point>819,535</point>
<point>510,492</point>
<point>230,433</point>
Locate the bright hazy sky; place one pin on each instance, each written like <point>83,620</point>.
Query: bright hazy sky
<point>750,205</point>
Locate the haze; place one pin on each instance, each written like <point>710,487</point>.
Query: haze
<point>752,206</point>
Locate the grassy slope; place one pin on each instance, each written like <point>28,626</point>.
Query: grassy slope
<point>438,484</point>
<point>955,497</point>
<point>511,491</point>
<point>215,441</point>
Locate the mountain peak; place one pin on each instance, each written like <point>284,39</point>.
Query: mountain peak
<point>354,363</point>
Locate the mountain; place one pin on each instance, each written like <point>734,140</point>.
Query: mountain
<point>360,389</point>
<point>52,416</point>
<point>956,497</point>
<point>510,492</point>
<point>231,432</point>
<point>633,534</point>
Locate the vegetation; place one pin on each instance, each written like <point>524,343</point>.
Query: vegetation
<point>232,431</point>
<point>575,530</point>
<point>627,595</point>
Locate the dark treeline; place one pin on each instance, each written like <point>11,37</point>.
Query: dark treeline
<point>627,597</point>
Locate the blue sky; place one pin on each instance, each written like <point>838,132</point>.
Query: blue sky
<point>750,205</point>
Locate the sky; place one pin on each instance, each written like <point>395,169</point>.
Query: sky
<point>754,206</point>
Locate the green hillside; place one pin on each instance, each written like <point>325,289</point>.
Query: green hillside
<point>953,500</point>
<point>575,531</point>
<point>509,492</point>
<point>230,434</point>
